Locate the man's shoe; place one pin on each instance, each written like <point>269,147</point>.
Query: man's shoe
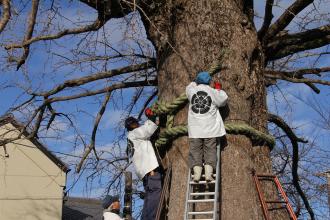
<point>197,173</point>
<point>208,173</point>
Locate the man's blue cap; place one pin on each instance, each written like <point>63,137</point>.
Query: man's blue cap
<point>203,78</point>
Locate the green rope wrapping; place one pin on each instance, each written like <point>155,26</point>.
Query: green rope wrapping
<point>162,108</point>
<point>231,128</point>
<point>170,133</point>
<point>251,132</point>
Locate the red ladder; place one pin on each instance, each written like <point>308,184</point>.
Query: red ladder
<point>257,178</point>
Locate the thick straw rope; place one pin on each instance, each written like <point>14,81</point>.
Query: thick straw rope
<point>169,109</point>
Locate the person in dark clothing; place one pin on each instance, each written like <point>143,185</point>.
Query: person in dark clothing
<point>111,206</point>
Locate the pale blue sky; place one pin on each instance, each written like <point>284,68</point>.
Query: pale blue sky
<point>46,69</point>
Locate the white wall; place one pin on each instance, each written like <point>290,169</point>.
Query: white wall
<point>31,185</point>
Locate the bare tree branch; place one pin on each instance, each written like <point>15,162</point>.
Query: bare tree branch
<point>284,20</point>
<point>294,80</point>
<point>295,158</point>
<point>97,76</point>
<point>267,19</point>
<point>96,25</point>
<point>302,72</point>
<point>298,77</point>
<point>39,112</point>
<point>30,29</point>
<point>104,90</point>
<point>96,124</point>
<point>5,14</point>
<point>313,87</point>
<point>292,43</point>
<point>304,80</point>
<point>151,97</point>
<point>22,104</point>
<point>52,116</point>
<point>38,122</point>
<point>285,127</point>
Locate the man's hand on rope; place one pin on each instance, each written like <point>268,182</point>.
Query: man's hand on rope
<point>151,115</point>
<point>217,85</point>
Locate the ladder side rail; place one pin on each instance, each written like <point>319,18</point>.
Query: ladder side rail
<point>164,192</point>
<point>261,197</point>
<point>187,195</point>
<point>288,206</point>
<point>217,180</point>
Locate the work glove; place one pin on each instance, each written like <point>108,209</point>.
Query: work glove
<point>150,114</point>
<point>217,85</point>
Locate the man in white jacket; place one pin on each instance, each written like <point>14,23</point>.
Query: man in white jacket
<point>111,207</point>
<point>145,162</point>
<point>205,124</point>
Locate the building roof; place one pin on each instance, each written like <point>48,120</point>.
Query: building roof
<point>10,119</point>
<point>75,208</point>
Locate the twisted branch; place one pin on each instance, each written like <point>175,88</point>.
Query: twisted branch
<point>5,14</point>
<point>28,36</point>
<point>96,124</point>
<point>267,19</point>
<point>295,158</point>
<point>285,19</point>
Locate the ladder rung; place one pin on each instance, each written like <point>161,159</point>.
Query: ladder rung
<point>273,201</point>
<point>277,208</point>
<point>201,219</point>
<point>214,175</point>
<point>201,213</point>
<point>200,200</point>
<point>266,175</point>
<point>202,194</point>
<point>201,182</point>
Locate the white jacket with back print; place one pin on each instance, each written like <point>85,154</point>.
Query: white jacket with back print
<point>144,158</point>
<point>204,119</point>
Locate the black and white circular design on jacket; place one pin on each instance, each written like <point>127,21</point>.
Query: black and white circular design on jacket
<point>201,102</point>
<point>130,148</point>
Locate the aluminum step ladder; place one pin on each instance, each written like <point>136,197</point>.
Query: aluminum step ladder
<point>191,195</point>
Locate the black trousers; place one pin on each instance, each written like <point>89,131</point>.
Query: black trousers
<point>153,187</point>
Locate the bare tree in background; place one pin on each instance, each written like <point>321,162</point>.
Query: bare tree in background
<point>184,37</point>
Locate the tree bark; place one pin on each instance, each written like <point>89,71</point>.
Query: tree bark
<point>188,37</point>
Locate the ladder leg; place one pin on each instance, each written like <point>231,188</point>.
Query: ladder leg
<point>187,194</point>
<point>288,206</point>
<point>261,197</point>
<point>217,182</point>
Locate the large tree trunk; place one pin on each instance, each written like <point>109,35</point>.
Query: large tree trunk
<point>198,30</point>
